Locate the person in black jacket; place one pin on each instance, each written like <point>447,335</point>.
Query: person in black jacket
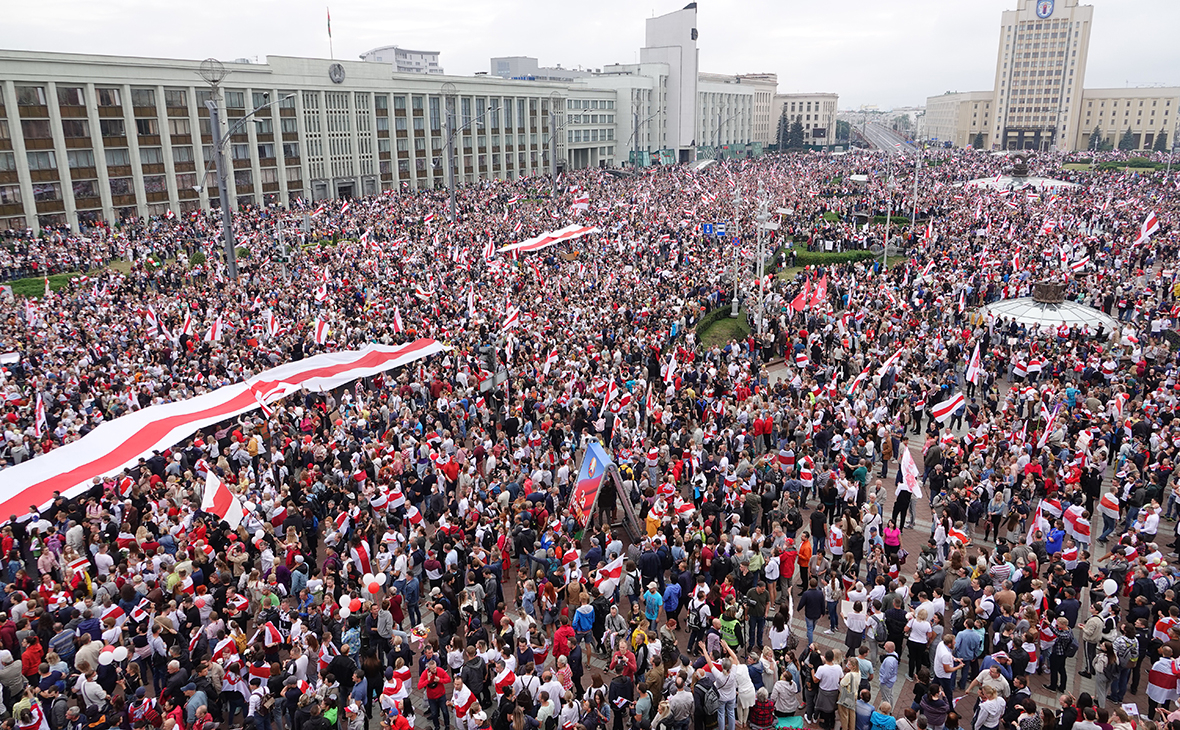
<point>813,605</point>
<point>621,694</point>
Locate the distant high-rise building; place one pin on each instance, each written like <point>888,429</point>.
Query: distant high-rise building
<point>672,39</point>
<point>1040,70</point>
<point>404,60</point>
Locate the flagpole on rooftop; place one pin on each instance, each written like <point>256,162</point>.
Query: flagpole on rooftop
<point>331,52</point>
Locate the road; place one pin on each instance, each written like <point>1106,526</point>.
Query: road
<point>886,139</point>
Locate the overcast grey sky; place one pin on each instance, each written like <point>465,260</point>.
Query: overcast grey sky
<point>883,52</point>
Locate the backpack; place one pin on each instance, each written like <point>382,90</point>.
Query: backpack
<point>694,618</point>
<point>711,701</point>
<point>1127,652</point>
<point>880,631</point>
<point>1072,649</point>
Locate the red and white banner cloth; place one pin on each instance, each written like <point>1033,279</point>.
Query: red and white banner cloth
<point>549,238</point>
<point>118,444</point>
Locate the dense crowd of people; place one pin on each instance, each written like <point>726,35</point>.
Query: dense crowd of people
<point>407,554</point>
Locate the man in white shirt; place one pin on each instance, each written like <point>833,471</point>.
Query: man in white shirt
<point>103,561</point>
<point>945,663</point>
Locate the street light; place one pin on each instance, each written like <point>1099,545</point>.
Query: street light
<point>219,143</point>
<point>764,224</point>
<point>554,100</point>
<point>635,134</point>
<point>721,122</point>
<point>737,199</point>
<point>450,95</point>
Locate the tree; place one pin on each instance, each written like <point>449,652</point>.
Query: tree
<point>782,131</point>
<point>978,142</point>
<point>795,138</point>
<point>1161,142</point>
<point>843,131</point>
<point>1127,141</point>
<point>1095,138</point>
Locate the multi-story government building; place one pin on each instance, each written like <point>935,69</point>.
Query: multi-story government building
<point>104,137</point>
<point>1039,101</point>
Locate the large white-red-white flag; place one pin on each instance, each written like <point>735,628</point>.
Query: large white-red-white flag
<point>40,422</point>
<point>944,410</point>
<point>319,329</point>
<point>218,500</point>
<point>511,319</point>
<point>608,577</point>
<point>215,330</point>
<point>1150,225</point>
<point>911,476</point>
<point>975,367</point>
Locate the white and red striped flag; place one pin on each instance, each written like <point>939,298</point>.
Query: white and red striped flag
<point>944,410</point>
<point>40,422</point>
<point>319,329</point>
<point>608,576</point>
<point>218,500</point>
<point>511,319</point>
<point>1150,225</point>
<point>215,331</point>
<point>975,367</point>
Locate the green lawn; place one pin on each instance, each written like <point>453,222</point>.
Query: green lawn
<point>724,330</point>
<point>1076,166</point>
<point>34,286</point>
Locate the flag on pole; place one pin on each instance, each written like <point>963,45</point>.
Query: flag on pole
<point>974,367</point>
<point>40,423</point>
<point>1150,225</point>
<point>218,500</point>
<point>320,329</point>
<point>911,476</point>
<point>329,22</point>
<point>944,410</point>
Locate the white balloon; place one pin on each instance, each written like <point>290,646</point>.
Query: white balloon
<point>380,579</point>
<point>1110,587</point>
<point>251,507</point>
<point>106,657</point>
<point>344,612</point>
<point>259,535</point>
<point>345,599</point>
<point>120,653</point>
<point>366,579</point>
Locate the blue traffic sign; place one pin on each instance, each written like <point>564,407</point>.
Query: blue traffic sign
<point>706,229</point>
<point>720,229</point>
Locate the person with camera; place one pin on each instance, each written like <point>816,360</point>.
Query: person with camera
<point>434,680</point>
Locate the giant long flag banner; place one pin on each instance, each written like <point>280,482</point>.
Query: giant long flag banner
<point>549,238</point>
<point>120,443</point>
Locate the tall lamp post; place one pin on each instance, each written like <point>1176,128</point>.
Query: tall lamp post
<point>554,100</point>
<point>737,200</point>
<point>450,95</point>
<point>764,225</point>
<point>219,143</point>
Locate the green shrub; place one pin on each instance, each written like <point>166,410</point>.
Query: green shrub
<point>197,259</point>
<point>824,258</point>
<point>895,220</point>
<point>242,252</point>
<point>34,286</point>
<point>832,216</point>
<point>709,319</point>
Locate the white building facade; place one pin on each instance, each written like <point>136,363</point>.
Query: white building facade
<point>725,112</point>
<point>671,39</point>
<point>959,118</point>
<point>815,111</point>
<point>87,138</point>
